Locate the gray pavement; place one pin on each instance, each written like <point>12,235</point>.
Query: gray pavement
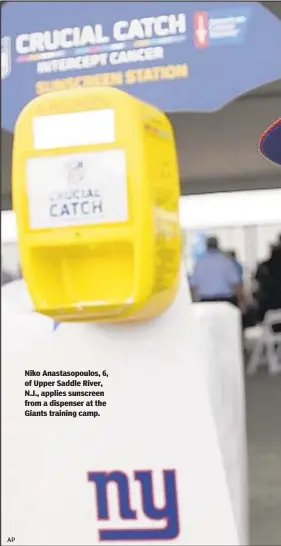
<point>263,398</point>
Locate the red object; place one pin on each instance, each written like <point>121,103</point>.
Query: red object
<point>270,142</point>
<point>201,30</point>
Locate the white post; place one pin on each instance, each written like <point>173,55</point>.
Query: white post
<point>157,438</point>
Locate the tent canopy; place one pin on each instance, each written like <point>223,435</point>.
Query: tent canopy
<point>217,151</point>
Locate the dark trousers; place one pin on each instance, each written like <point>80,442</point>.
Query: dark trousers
<point>232,300</point>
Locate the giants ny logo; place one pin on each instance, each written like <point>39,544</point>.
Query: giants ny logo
<point>168,513</point>
<point>75,171</point>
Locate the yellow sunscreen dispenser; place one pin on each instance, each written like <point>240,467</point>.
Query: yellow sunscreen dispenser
<point>96,192</point>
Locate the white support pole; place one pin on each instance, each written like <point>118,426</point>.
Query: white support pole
<point>160,423</point>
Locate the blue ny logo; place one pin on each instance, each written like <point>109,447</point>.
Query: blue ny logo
<point>168,513</point>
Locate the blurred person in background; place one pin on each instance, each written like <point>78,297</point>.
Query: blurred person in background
<point>232,255</point>
<point>216,277</point>
<point>273,268</point>
<point>261,289</point>
<point>268,277</point>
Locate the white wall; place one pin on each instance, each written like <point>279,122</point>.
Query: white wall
<point>248,222</point>
<point>8,227</point>
<point>231,209</point>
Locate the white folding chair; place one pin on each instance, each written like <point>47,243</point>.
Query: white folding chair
<point>266,347</point>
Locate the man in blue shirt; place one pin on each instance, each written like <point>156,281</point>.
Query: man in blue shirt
<point>216,278</point>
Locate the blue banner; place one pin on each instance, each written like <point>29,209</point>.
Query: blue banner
<point>180,56</point>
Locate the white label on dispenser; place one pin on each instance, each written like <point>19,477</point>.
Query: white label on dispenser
<point>77,189</point>
<point>73,129</point>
